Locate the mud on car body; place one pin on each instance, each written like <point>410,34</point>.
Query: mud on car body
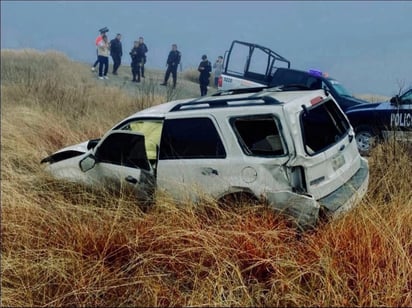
<point>295,150</point>
<point>380,121</point>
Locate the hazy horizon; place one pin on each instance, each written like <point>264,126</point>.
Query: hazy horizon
<point>364,44</point>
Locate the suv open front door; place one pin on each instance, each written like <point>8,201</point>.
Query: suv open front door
<point>249,65</point>
<point>120,161</point>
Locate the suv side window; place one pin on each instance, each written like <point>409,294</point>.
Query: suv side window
<point>124,149</point>
<point>190,138</point>
<point>258,135</point>
<point>151,129</point>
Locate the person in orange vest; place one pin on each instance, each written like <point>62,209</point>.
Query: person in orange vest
<point>103,52</point>
<point>99,38</point>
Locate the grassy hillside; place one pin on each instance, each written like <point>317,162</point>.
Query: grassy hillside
<point>64,244</point>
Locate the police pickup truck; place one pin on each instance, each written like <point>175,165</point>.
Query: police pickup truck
<point>249,65</point>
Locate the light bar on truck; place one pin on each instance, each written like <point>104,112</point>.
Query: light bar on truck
<point>317,73</point>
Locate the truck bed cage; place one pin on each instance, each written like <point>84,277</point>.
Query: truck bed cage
<point>225,102</point>
<point>267,50</point>
<point>253,62</point>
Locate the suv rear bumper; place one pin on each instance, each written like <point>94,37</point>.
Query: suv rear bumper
<point>346,196</point>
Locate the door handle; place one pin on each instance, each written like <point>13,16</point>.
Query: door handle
<point>131,179</point>
<point>209,171</point>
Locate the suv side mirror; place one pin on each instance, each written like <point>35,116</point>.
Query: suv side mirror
<point>87,163</point>
<point>92,143</point>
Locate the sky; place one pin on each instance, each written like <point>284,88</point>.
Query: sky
<point>366,45</point>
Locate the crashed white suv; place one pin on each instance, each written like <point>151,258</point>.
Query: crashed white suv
<point>295,150</point>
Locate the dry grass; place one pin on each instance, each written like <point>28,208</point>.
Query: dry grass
<point>192,74</point>
<point>64,244</point>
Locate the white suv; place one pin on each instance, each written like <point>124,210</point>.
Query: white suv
<point>296,150</point>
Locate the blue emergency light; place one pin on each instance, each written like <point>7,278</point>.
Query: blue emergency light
<point>317,73</point>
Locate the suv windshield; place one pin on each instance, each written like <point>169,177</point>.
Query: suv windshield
<point>322,126</point>
<point>339,87</point>
<point>407,97</point>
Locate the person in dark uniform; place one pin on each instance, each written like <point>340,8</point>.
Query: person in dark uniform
<point>116,52</point>
<point>173,61</point>
<point>205,67</point>
<point>137,57</point>
<point>144,49</point>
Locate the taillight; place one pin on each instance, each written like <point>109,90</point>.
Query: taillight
<point>316,100</point>
<point>220,82</point>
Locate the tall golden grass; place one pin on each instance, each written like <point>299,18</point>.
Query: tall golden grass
<point>64,244</point>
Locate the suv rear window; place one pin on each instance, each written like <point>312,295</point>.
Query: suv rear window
<point>322,126</point>
<point>258,135</point>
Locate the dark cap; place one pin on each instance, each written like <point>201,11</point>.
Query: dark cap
<point>204,57</point>
<point>104,30</point>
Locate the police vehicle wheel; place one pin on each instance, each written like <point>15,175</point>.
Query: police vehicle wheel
<point>365,139</point>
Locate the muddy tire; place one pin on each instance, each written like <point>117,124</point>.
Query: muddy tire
<point>366,139</point>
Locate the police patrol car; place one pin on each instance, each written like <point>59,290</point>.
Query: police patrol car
<point>381,121</point>
<point>259,143</point>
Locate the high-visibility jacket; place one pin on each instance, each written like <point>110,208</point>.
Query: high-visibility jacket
<point>98,40</point>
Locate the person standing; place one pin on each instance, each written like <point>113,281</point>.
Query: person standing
<point>144,49</point>
<point>102,31</point>
<point>205,67</point>
<point>172,62</point>
<point>137,58</point>
<point>116,52</point>
<point>103,52</point>
<point>218,68</point>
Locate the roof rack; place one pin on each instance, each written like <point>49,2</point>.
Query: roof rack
<point>240,91</point>
<point>202,103</point>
